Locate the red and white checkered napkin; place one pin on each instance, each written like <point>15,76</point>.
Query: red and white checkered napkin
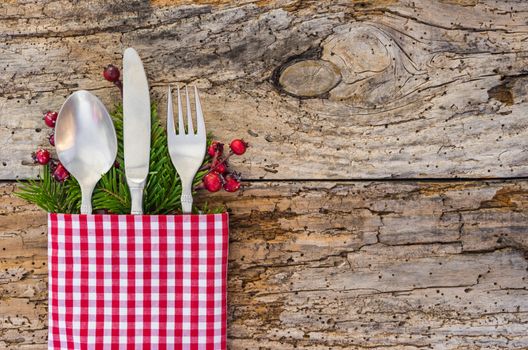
<point>137,281</point>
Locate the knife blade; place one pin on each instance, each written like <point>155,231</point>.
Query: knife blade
<point>136,127</point>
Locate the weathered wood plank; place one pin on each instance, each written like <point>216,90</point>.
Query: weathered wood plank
<point>326,89</point>
<point>314,265</point>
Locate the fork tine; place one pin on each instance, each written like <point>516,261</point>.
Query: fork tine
<point>199,114</point>
<point>181,127</point>
<point>170,116</point>
<point>190,128</point>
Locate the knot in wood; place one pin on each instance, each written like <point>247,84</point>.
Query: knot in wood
<point>309,78</point>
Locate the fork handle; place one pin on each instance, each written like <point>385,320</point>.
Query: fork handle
<point>186,201</point>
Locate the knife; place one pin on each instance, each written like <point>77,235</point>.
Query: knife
<point>136,127</point>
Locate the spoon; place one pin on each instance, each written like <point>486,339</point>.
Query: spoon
<point>85,141</point>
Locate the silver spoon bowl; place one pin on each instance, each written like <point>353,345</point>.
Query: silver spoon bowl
<point>85,141</point>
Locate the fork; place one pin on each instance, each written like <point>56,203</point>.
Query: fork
<point>186,148</point>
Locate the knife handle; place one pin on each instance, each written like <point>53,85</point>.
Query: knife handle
<point>136,198</point>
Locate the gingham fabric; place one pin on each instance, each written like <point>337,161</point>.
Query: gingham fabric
<point>137,281</point>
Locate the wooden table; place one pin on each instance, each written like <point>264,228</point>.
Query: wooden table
<point>386,196</point>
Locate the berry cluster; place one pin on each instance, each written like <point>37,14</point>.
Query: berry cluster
<point>43,156</point>
<point>219,174</point>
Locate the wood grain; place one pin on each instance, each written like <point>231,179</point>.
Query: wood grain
<point>322,90</point>
<point>321,265</point>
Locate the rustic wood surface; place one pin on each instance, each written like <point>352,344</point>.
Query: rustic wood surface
<point>345,236</point>
<point>336,265</point>
<point>323,89</point>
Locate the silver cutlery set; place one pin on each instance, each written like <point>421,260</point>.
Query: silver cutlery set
<point>86,142</point>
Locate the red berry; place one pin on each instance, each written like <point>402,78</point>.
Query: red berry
<point>60,173</point>
<point>219,166</point>
<point>50,118</point>
<point>42,156</point>
<point>212,182</point>
<point>51,139</point>
<point>214,148</point>
<point>231,183</point>
<point>111,73</point>
<point>238,146</point>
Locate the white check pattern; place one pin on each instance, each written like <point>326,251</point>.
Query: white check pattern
<point>137,281</point>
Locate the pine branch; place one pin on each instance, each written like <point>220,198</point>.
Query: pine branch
<point>162,191</point>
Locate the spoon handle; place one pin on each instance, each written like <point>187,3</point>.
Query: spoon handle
<point>86,199</point>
